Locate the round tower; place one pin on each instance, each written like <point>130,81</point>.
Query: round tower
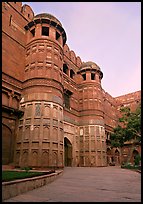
<point>92,131</point>
<point>40,135</point>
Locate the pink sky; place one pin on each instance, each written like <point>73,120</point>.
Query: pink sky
<point>107,33</point>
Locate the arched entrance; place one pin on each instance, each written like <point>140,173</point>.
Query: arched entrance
<point>6,145</point>
<point>134,155</point>
<point>117,157</point>
<point>67,152</point>
<point>109,156</point>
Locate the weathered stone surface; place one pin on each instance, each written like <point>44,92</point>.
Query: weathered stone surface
<point>14,188</point>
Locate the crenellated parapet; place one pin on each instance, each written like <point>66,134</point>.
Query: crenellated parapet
<point>71,56</point>
<point>131,100</point>
<point>27,12</point>
<point>110,111</point>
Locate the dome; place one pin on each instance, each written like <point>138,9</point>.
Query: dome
<point>47,16</point>
<point>89,65</point>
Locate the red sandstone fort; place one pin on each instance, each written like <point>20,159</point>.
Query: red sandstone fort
<point>55,112</point>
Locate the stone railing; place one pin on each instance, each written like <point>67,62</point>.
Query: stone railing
<point>13,188</point>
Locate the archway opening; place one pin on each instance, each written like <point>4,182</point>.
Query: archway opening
<point>117,157</point>
<point>67,152</point>
<point>6,145</point>
<point>135,157</point>
<point>109,156</point>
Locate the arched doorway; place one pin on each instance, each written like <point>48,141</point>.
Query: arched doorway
<point>109,156</point>
<point>117,157</point>
<point>6,145</point>
<point>67,152</point>
<point>134,155</point>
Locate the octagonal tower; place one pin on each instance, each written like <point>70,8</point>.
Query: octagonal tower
<point>40,135</point>
<point>92,131</point>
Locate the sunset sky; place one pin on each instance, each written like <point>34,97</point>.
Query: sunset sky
<point>107,33</point>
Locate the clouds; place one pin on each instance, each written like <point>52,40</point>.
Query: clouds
<point>108,33</point>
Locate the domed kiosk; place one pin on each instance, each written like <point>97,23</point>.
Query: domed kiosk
<point>47,20</point>
<point>47,16</point>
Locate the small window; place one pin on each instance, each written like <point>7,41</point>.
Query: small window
<point>100,77</point>
<point>45,31</point>
<point>92,76</point>
<point>10,20</point>
<point>33,32</point>
<point>28,15</point>
<point>57,35</point>
<point>84,77</point>
<point>67,100</point>
<point>65,68</point>
<point>67,95</point>
<point>72,74</point>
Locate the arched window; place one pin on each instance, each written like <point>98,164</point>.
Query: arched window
<point>65,68</point>
<point>57,35</point>
<point>45,31</point>
<point>67,100</point>
<point>33,32</point>
<point>67,95</point>
<point>72,74</point>
<point>84,76</point>
<point>92,76</point>
<point>117,152</point>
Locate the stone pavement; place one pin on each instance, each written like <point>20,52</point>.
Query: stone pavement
<point>88,184</point>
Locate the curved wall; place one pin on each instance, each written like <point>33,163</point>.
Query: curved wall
<point>92,127</point>
<point>40,137</point>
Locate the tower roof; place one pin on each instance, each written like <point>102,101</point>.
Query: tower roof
<point>47,16</point>
<point>48,19</point>
<point>90,65</point>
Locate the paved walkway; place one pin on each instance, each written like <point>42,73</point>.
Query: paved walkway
<point>88,184</point>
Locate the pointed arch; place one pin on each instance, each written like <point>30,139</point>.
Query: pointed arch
<point>67,151</point>
<point>6,144</point>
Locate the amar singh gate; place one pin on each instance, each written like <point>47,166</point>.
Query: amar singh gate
<point>55,112</point>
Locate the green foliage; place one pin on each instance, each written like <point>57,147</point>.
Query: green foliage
<point>137,159</point>
<point>13,175</point>
<point>117,138</point>
<point>129,166</point>
<point>26,168</point>
<point>129,129</point>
